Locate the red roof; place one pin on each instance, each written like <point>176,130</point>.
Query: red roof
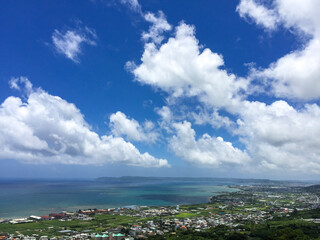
<point>45,216</point>
<point>55,215</point>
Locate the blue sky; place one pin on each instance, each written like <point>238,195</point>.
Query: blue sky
<point>160,88</point>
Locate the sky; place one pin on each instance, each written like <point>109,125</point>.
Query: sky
<point>182,88</point>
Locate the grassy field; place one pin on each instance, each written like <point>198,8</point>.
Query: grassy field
<point>101,222</point>
<point>185,215</point>
<point>45,227</point>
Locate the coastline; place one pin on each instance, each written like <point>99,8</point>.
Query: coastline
<point>106,206</point>
<point>23,199</point>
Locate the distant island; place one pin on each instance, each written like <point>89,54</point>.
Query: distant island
<point>204,179</point>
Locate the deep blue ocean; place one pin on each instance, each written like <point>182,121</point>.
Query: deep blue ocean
<point>22,198</point>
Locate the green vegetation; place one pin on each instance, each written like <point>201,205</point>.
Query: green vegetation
<point>185,215</point>
<point>51,228</point>
<point>218,233</point>
<point>285,229</point>
<point>46,227</point>
<point>276,230</point>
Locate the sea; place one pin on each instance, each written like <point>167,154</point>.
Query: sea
<point>22,198</point>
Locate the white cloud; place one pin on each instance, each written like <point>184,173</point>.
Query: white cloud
<point>158,27</point>
<point>204,116</point>
<point>302,15</point>
<point>181,68</point>
<point>48,129</point>
<point>15,84</point>
<point>148,125</point>
<point>159,23</point>
<point>281,137</point>
<point>260,14</point>
<point>132,4</point>
<point>207,150</point>
<point>69,43</point>
<point>198,115</point>
<point>121,125</point>
<point>296,75</point>
<point>166,118</point>
<point>165,113</point>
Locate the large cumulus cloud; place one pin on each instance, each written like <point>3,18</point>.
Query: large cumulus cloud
<point>183,68</point>
<point>206,150</point>
<point>48,129</point>
<point>280,137</point>
<point>295,75</point>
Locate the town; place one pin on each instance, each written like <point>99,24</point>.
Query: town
<point>238,212</point>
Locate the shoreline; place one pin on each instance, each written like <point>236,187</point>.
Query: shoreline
<point>84,208</point>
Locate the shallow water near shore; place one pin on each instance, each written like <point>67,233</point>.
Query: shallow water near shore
<point>22,198</point>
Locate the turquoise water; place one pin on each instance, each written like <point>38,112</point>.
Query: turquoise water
<point>21,198</point>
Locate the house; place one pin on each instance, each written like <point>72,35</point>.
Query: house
<point>3,236</point>
<point>29,238</point>
<point>117,236</point>
<point>36,218</point>
<point>56,215</point>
